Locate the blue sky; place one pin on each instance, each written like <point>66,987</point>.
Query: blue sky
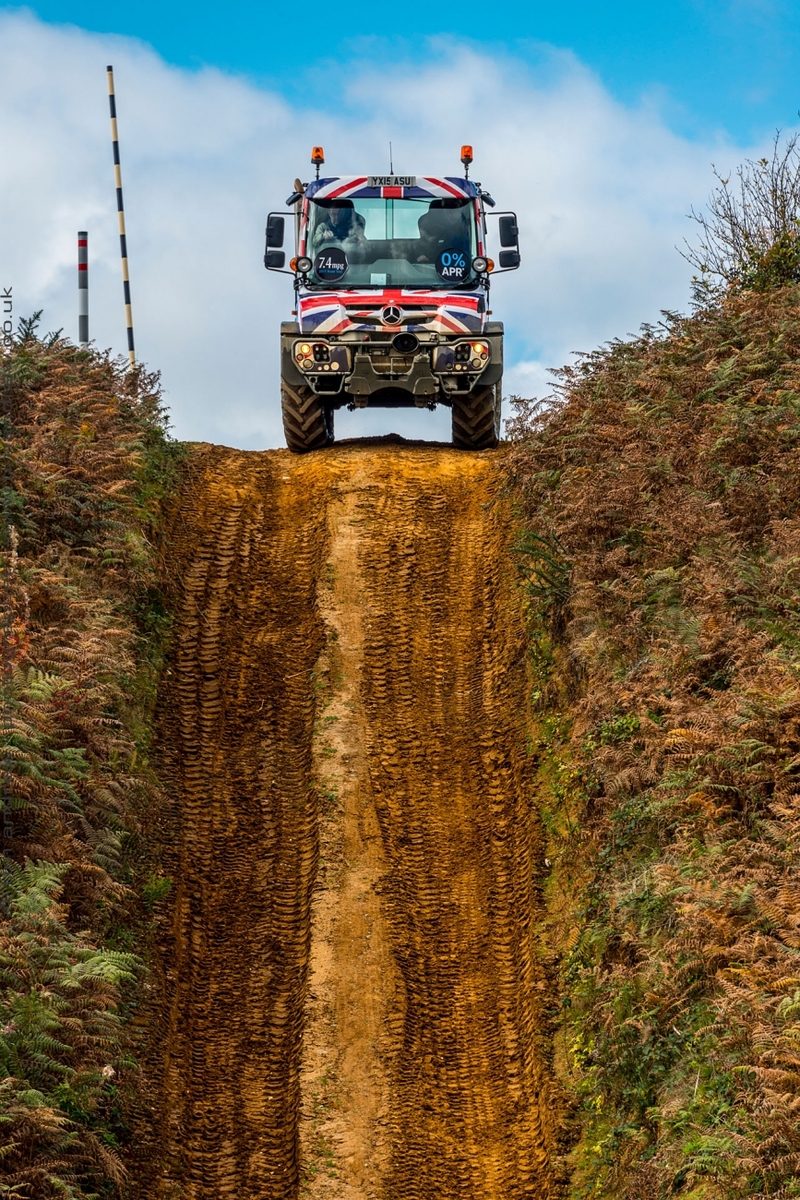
<point>707,64</point>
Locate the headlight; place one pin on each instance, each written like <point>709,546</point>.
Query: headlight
<point>304,265</point>
<point>479,265</point>
<point>320,356</point>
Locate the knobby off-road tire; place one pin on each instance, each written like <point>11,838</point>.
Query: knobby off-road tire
<point>476,419</point>
<point>307,419</point>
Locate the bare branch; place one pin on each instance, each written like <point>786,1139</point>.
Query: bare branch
<point>750,235</point>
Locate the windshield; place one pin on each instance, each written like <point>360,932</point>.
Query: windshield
<point>391,243</point>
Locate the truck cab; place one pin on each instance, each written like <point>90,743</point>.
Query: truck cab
<point>392,277</point>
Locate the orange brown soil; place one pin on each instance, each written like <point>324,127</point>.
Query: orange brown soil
<point>350,1002</point>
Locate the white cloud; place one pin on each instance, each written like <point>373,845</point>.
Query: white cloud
<point>527,379</point>
<point>601,190</point>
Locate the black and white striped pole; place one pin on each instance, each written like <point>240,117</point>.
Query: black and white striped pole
<point>83,289</point>
<point>123,244</point>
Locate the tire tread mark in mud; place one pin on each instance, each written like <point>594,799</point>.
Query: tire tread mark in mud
<point>444,693</point>
<point>237,717</point>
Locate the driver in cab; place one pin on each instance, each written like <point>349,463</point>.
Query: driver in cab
<point>443,227</point>
<point>339,225</point>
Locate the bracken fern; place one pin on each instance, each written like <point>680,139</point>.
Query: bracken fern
<point>667,472</point>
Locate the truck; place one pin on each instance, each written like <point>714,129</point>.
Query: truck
<point>391,277</point>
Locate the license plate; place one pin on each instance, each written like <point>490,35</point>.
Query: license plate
<point>391,181</point>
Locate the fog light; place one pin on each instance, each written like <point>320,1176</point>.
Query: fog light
<point>479,264</point>
<point>304,265</point>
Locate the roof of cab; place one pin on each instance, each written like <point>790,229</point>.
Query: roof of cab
<point>399,187</point>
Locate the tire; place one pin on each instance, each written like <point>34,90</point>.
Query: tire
<point>476,418</point>
<point>307,419</point>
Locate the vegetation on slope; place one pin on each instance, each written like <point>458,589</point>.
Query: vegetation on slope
<point>84,466</point>
<point>662,496</point>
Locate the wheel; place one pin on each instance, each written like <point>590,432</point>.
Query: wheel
<point>307,419</point>
<point>476,418</point>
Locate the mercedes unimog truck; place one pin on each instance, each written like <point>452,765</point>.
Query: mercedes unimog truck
<point>391,277</point>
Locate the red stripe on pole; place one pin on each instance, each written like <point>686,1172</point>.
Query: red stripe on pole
<point>83,266</point>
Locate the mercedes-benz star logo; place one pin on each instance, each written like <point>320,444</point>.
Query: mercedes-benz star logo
<point>391,315</point>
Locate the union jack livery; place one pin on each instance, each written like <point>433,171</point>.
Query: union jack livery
<point>337,312</point>
<point>391,276</point>
<point>397,187</point>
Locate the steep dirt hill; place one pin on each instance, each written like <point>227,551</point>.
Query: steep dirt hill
<point>350,990</point>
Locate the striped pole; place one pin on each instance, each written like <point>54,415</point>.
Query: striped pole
<point>123,245</point>
<point>83,289</point>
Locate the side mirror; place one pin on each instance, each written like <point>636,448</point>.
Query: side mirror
<point>275,230</point>
<point>275,260</point>
<point>509,233</point>
<point>509,259</point>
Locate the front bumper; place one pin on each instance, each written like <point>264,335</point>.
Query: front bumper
<point>361,369</point>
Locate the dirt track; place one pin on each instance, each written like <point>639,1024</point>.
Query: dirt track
<point>350,993</point>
